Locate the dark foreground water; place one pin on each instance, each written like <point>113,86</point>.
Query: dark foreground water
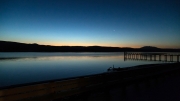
<point>21,67</point>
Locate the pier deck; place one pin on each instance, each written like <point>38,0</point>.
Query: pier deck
<point>164,57</point>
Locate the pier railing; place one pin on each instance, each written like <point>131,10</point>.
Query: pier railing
<point>164,57</point>
<point>57,89</point>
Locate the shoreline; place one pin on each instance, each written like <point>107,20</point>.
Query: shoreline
<point>144,66</point>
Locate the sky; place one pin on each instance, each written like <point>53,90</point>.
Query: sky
<point>116,23</point>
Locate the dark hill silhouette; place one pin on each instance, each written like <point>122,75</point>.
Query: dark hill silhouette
<point>149,48</point>
<point>8,46</point>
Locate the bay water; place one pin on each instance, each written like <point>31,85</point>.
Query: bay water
<point>28,67</point>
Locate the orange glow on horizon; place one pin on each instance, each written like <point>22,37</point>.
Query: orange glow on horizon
<point>121,45</point>
<point>110,45</point>
<point>89,44</point>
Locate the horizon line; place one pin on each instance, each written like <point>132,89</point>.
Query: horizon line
<point>86,46</point>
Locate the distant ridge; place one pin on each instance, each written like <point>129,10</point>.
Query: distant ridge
<point>150,48</point>
<point>8,46</point>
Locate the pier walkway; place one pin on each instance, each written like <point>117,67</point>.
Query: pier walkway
<point>164,57</point>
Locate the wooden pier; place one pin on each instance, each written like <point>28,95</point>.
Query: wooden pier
<point>164,57</point>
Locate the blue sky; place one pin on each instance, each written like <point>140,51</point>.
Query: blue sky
<point>120,23</point>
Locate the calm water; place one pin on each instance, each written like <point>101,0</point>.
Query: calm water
<point>20,67</point>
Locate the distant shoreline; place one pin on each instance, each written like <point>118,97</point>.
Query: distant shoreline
<point>7,46</point>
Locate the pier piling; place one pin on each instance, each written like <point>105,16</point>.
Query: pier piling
<point>151,56</point>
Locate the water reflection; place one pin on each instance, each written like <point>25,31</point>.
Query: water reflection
<point>17,68</point>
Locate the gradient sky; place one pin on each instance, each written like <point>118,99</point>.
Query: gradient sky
<point>120,23</point>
